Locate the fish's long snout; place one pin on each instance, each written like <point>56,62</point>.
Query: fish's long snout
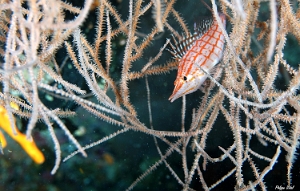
<point>172,97</point>
<point>176,93</point>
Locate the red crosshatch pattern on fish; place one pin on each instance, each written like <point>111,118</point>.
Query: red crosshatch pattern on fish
<point>198,50</point>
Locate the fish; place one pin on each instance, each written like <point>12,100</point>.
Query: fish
<point>202,49</point>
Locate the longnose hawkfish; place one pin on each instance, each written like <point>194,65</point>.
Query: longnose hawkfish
<point>202,49</point>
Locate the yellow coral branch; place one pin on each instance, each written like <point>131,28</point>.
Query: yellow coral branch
<point>29,146</point>
<point>2,140</point>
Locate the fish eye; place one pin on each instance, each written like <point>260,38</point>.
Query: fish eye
<point>184,78</point>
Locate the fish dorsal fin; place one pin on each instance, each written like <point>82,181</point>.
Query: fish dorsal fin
<point>180,48</point>
<point>202,26</point>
